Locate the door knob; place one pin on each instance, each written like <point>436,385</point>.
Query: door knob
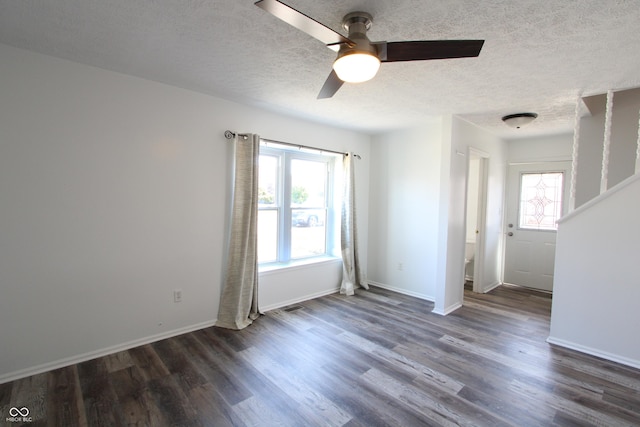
<point>510,233</point>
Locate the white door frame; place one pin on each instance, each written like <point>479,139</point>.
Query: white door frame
<point>483,182</point>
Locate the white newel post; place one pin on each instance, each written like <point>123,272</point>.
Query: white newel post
<point>607,142</point>
<point>574,156</point>
<point>638,147</point>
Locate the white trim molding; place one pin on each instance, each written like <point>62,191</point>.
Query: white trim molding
<point>491,287</point>
<point>402,291</point>
<point>67,361</point>
<point>298,300</point>
<point>613,190</point>
<point>447,310</point>
<point>594,352</point>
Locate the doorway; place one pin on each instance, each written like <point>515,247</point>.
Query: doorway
<point>476,203</point>
<point>536,195</point>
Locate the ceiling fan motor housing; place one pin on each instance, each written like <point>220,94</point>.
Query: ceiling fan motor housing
<point>357,24</point>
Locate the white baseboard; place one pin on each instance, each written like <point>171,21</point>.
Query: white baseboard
<point>595,352</point>
<point>491,287</point>
<point>447,310</point>
<point>402,291</point>
<point>297,300</point>
<point>72,360</point>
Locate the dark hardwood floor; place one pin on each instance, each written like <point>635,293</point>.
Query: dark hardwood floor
<point>377,358</point>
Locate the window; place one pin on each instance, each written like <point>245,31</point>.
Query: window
<point>295,205</point>
<point>540,200</point>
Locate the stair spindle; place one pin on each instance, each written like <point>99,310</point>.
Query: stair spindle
<point>606,146</point>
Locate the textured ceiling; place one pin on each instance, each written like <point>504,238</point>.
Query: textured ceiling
<point>538,56</point>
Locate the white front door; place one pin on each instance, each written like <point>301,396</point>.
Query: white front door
<point>536,195</point>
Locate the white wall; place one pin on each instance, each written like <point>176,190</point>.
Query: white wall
<point>596,283</point>
<point>590,156</point>
<point>114,192</point>
<point>624,136</point>
<point>417,209</point>
<point>279,288</point>
<point>403,209</point>
<point>540,149</point>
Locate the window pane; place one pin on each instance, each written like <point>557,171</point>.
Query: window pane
<point>267,235</point>
<point>308,203</point>
<point>268,180</point>
<point>268,218</point>
<point>308,183</point>
<point>308,232</point>
<point>540,200</point>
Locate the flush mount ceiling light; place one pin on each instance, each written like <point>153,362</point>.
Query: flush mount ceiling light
<point>356,67</point>
<point>520,119</point>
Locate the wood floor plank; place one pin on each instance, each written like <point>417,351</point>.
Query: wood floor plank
<point>211,408</point>
<point>315,407</point>
<point>117,361</point>
<point>5,398</point>
<point>215,361</point>
<point>148,362</point>
<point>345,386</point>
<point>444,409</point>
<point>178,362</point>
<point>172,401</point>
<point>100,400</point>
<point>377,358</point>
<point>137,405</point>
<point>65,403</point>
<point>32,393</point>
<point>569,406</point>
<point>623,398</point>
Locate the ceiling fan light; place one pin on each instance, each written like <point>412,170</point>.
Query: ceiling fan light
<point>520,119</point>
<point>356,67</point>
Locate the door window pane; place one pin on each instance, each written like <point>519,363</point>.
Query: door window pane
<point>540,200</point>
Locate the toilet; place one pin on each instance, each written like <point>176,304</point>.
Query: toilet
<point>469,255</point>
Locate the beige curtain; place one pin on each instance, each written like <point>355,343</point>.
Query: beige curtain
<point>239,300</point>
<point>351,274</point>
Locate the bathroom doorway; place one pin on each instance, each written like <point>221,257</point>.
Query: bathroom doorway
<point>477,181</point>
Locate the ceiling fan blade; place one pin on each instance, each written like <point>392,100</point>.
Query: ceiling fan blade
<point>427,49</point>
<point>330,86</point>
<point>315,29</point>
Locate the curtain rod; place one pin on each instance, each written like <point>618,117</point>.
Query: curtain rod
<point>229,135</point>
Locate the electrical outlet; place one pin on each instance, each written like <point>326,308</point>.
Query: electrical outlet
<point>400,266</point>
<point>177,295</point>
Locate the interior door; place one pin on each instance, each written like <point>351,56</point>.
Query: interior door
<point>536,195</point>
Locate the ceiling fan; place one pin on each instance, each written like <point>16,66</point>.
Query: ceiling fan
<point>359,58</point>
